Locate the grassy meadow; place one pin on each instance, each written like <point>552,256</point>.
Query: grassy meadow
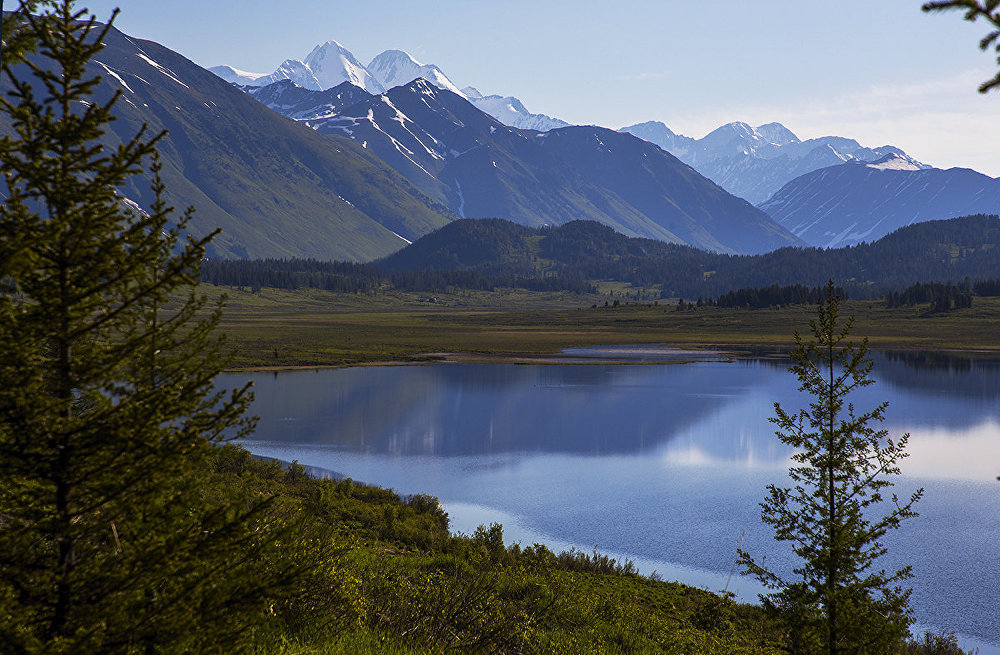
<point>275,328</point>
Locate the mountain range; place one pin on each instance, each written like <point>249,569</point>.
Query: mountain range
<point>330,64</point>
<point>754,162</point>
<point>844,205</point>
<point>275,187</point>
<point>343,173</point>
<point>479,167</point>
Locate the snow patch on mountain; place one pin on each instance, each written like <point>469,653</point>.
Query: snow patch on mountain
<point>166,71</point>
<point>894,162</point>
<point>115,75</point>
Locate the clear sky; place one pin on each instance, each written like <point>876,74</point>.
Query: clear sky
<point>880,71</point>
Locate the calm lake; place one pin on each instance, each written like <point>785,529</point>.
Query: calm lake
<point>655,457</point>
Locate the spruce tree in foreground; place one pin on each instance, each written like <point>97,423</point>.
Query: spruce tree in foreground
<point>110,541</point>
<point>989,10</point>
<point>837,599</point>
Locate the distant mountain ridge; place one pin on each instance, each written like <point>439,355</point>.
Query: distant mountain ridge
<point>853,202</point>
<point>754,162</point>
<point>479,167</point>
<point>511,111</point>
<point>275,187</point>
<point>331,64</point>
<point>396,68</point>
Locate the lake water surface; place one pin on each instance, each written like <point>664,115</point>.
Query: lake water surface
<point>664,464</point>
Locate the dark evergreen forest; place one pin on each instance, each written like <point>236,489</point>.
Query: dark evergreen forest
<point>912,265</point>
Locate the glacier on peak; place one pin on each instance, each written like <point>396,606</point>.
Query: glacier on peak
<point>328,65</point>
<point>396,67</point>
<point>333,64</point>
<point>755,162</point>
<point>511,111</point>
<point>236,76</point>
<point>895,162</point>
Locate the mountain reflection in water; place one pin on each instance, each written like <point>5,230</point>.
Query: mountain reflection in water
<point>695,412</point>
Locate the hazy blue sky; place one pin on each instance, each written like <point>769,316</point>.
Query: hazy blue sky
<point>878,71</point>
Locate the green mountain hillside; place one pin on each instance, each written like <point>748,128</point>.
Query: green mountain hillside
<point>275,187</point>
<point>586,250</point>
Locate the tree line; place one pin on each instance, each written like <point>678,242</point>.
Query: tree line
<point>942,297</point>
<point>775,296</point>
<point>349,277</point>
<point>479,253</point>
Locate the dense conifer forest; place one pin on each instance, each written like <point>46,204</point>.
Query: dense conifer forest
<point>915,262</point>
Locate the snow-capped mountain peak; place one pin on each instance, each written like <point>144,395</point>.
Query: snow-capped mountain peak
<point>755,162</point>
<point>296,71</point>
<point>777,134</point>
<point>328,65</point>
<point>396,68</point>
<point>333,64</point>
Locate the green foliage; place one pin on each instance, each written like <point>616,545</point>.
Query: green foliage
<point>974,9</point>
<point>17,41</point>
<point>490,253</point>
<point>933,643</point>
<point>110,540</point>
<point>941,297</point>
<point>403,584</point>
<point>837,601</point>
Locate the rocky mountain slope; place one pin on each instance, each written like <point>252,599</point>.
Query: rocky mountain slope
<point>479,167</point>
<point>853,202</point>
<point>275,187</point>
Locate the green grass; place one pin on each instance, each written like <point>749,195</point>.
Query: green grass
<point>381,574</point>
<point>317,328</point>
<point>392,580</point>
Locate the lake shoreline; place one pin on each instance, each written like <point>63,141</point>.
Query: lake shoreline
<point>721,351</point>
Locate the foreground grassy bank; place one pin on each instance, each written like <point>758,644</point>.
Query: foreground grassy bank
<point>381,574</point>
<point>318,328</point>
